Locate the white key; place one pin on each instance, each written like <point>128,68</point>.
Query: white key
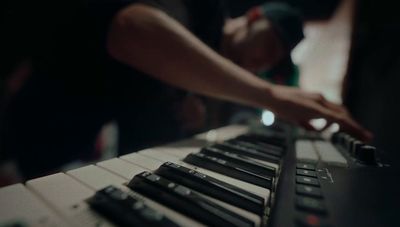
<point>121,167</point>
<point>143,161</point>
<point>181,151</point>
<point>224,133</point>
<point>203,139</point>
<point>160,155</point>
<point>191,142</point>
<point>66,195</point>
<point>305,151</point>
<point>97,178</point>
<point>329,154</point>
<point>21,205</point>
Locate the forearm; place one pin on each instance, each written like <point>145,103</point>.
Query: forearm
<point>149,40</point>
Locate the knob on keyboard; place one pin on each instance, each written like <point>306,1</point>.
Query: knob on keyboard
<point>367,154</point>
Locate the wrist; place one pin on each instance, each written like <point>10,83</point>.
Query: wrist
<point>264,96</point>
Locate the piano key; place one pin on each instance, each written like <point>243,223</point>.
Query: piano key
<point>143,161</point>
<point>126,210</point>
<point>21,205</point>
<point>279,141</point>
<point>182,149</point>
<point>229,169</point>
<point>305,151</point>
<point>279,149</point>
<point>163,156</point>
<point>186,201</point>
<point>273,156</point>
<point>255,218</point>
<point>192,143</point>
<point>94,176</point>
<point>262,147</point>
<point>180,152</point>
<point>121,167</point>
<point>273,165</point>
<point>159,155</point>
<point>242,161</point>
<point>91,179</point>
<point>66,195</point>
<point>224,133</point>
<point>329,154</point>
<point>212,187</point>
<point>261,191</point>
<point>247,152</point>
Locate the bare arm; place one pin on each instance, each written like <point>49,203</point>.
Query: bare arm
<point>151,41</point>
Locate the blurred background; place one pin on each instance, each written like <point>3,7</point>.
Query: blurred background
<point>350,54</point>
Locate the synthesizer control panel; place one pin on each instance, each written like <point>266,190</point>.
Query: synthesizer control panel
<point>232,176</point>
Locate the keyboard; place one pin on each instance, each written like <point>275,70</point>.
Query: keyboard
<point>232,176</point>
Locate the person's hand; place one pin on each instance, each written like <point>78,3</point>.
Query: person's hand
<point>299,107</point>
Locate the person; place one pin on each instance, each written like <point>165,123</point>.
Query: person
<point>94,61</point>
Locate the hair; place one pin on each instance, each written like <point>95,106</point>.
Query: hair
<point>287,21</point>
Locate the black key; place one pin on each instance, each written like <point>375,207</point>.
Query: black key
<point>261,139</point>
<point>310,204</point>
<point>242,161</point>
<point>307,180</point>
<point>308,190</point>
<point>212,187</point>
<point>185,200</point>
<point>308,173</point>
<point>126,210</point>
<point>278,139</point>
<point>262,147</point>
<point>227,168</point>
<point>248,152</point>
<point>307,166</point>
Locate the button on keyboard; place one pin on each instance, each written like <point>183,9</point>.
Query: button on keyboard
<point>305,166</point>
<point>310,204</point>
<point>329,154</point>
<point>306,152</point>
<point>307,180</point>
<point>307,173</point>
<point>308,190</point>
